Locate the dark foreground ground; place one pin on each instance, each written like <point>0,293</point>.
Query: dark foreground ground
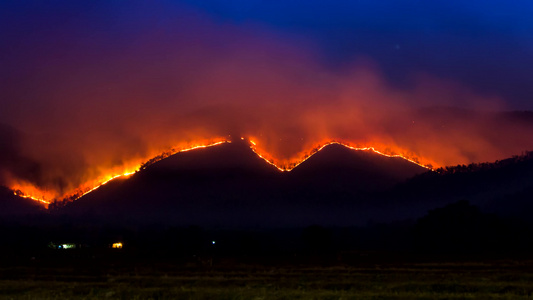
<point>456,252</point>
<point>224,278</point>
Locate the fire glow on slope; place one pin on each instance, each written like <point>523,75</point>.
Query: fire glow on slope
<point>31,192</point>
<point>290,164</point>
<point>282,165</point>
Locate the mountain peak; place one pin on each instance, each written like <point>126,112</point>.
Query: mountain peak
<point>229,184</point>
<point>337,157</point>
<point>231,155</point>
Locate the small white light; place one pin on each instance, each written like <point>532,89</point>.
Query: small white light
<point>213,242</point>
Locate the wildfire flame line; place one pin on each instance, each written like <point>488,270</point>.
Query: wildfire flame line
<point>152,161</point>
<point>290,167</point>
<point>253,146</point>
<point>22,195</point>
<point>80,194</point>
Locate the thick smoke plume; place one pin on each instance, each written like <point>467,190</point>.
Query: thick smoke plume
<point>90,97</point>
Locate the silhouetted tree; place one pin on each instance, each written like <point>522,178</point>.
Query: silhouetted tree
<point>459,228</point>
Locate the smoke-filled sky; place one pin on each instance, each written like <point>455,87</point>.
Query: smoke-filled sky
<point>88,88</point>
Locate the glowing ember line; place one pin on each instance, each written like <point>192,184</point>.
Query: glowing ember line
<point>253,145</point>
<point>294,165</point>
<point>268,161</point>
<point>203,146</point>
<point>80,194</point>
<point>152,162</point>
<point>101,184</point>
<point>22,195</point>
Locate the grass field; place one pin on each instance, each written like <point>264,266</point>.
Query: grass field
<point>497,280</point>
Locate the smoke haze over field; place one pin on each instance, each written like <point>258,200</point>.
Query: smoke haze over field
<point>89,89</point>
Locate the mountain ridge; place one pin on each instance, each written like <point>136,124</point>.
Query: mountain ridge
<point>336,186</point>
<point>230,180</point>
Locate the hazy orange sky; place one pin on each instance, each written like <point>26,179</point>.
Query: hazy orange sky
<point>93,89</point>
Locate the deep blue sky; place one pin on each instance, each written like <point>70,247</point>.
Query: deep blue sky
<point>487,45</point>
<point>484,45</point>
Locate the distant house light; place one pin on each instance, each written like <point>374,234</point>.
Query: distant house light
<point>116,246</point>
<point>62,246</point>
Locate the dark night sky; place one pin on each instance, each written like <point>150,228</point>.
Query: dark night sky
<point>92,86</point>
<point>484,45</point>
<point>487,45</point>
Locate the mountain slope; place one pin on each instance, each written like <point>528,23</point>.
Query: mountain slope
<point>503,187</point>
<point>363,170</point>
<point>13,206</point>
<point>229,185</point>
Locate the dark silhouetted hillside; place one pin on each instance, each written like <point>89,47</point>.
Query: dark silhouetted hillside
<point>362,170</point>
<point>462,228</point>
<point>504,187</point>
<point>14,206</point>
<point>228,185</point>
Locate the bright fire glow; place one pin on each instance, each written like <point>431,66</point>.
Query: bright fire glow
<point>42,200</point>
<point>29,191</point>
<point>44,197</point>
<point>290,164</point>
<point>116,246</point>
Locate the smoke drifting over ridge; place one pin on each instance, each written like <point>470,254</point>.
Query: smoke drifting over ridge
<point>99,92</point>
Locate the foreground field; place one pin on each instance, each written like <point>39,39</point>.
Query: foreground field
<point>498,280</point>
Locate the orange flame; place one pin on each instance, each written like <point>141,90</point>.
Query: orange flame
<point>27,190</point>
<point>289,164</point>
<point>18,192</point>
<point>31,192</point>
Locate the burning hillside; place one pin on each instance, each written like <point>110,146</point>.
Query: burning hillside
<point>81,108</point>
<point>281,165</point>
